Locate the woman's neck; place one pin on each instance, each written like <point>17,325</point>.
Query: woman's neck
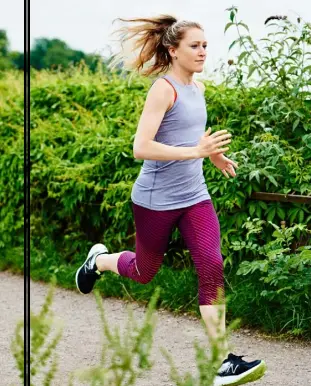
<point>181,76</point>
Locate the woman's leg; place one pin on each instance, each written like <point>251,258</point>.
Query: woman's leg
<point>153,229</point>
<point>108,262</point>
<point>199,226</point>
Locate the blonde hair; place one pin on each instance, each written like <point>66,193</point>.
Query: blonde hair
<point>152,37</point>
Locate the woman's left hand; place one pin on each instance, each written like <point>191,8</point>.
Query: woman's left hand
<point>225,164</point>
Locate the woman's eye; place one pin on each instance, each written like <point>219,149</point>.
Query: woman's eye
<point>195,46</point>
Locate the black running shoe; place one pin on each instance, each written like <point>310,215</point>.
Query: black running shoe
<point>88,273</point>
<point>234,371</point>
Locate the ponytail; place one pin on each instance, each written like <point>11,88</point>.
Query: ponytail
<point>152,39</point>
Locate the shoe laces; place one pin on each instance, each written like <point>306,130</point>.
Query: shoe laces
<point>236,358</point>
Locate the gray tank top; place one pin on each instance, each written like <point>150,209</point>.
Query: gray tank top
<point>164,185</point>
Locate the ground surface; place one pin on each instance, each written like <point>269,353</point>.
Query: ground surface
<point>289,364</point>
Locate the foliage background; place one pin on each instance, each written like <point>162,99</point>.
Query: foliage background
<point>83,122</point>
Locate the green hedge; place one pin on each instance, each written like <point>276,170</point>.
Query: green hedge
<point>82,172</point>
<point>83,168</point>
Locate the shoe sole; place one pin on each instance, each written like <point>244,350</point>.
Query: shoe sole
<point>88,256</point>
<point>251,375</point>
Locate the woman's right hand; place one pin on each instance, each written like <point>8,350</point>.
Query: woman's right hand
<point>212,144</point>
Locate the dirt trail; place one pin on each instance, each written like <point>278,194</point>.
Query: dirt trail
<point>289,364</point>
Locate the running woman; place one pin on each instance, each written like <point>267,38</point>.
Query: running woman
<point>170,189</point>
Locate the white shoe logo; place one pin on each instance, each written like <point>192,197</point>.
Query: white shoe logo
<point>226,367</point>
<point>88,266</point>
<point>234,370</point>
<point>231,368</point>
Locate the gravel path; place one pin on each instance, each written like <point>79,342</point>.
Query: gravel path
<point>289,364</point>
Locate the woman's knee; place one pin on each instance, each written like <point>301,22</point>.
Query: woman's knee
<point>145,280</point>
<point>211,272</point>
<point>210,264</point>
<point>145,277</point>
<point>145,273</point>
<point>147,266</point>
<point>211,284</point>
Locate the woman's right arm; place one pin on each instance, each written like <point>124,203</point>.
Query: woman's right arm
<point>160,99</point>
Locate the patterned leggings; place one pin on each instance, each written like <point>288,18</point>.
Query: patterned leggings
<point>199,227</point>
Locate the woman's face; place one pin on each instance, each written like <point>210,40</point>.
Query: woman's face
<point>191,52</point>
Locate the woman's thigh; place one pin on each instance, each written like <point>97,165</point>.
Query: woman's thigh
<point>153,230</point>
<point>199,226</point>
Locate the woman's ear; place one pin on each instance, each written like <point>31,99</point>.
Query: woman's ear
<point>172,51</point>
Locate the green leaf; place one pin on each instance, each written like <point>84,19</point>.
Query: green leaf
<point>277,234</point>
<point>242,55</point>
<point>281,213</point>
<point>255,173</point>
<point>232,44</point>
<point>258,211</point>
<point>305,254</point>
<point>272,179</point>
<point>293,214</point>
<point>232,14</point>
<point>251,69</point>
<point>296,123</point>
<point>271,214</point>
<point>308,68</point>
<point>292,69</point>
<point>244,25</point>
<point>301,215</point>
<point>252,209</point>
<point>228,25</point>
<point>263,205</point>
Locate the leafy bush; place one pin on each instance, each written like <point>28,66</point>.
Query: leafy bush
<point>281,62</point>
<point>83,168</point>
<point>11,160</point>
<point>278,278</point>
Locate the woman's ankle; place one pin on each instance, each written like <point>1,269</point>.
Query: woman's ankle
<point>108,262</point>
<point>100,262</point>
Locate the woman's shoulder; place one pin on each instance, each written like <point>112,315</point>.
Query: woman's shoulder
<point>162,88</point>
<point>162,84</point>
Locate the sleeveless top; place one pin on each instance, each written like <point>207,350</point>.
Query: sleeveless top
<point>165,185</point>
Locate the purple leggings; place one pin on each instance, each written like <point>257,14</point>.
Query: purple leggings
<point>199,227</point>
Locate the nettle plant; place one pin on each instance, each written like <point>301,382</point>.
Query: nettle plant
<point>286,169</point>
<point>286,273</point>
<point>281,59</point>
<point>280,65</point>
